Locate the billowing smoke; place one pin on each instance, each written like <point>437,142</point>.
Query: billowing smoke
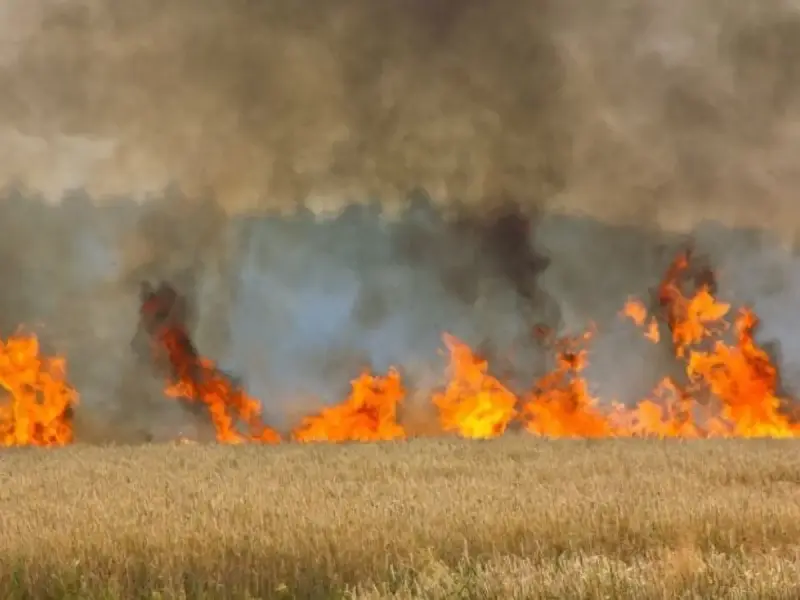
<point>565,150</point>
<point>626,110</point>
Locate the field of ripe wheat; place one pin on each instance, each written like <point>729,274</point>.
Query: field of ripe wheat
<point>514,517</point>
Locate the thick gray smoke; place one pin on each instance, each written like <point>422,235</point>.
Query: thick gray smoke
<point>572,145</point>
<point>627,110</point>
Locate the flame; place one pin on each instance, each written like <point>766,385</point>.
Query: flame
<point>197,379</point>
<point>474,404</point>
<point>560,404</point>
<point>729,387</point>
<point>368,414</point>
<point>739,377</point>
<point>666,414</point>
<point>744,380</point>
<point>193,378</point>
<point>690,318</point>
<point>38,407</point>
<point>637,313</point>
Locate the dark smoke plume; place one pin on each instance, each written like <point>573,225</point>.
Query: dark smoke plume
<point>574,146</point>
<point>627,110</point>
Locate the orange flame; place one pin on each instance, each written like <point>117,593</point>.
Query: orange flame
<point>667,414</point>
<point>740,378</point>
<point>744,380</point>
<point>369,414</point>
<point>560,404</point>
<point>197,379</point>
<point>474,404</point>
<point>37,409</point>
<point>690,318</point>
<point>637,313</point>
<point>730,388</point>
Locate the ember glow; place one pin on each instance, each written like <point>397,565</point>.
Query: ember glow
<point>728,388</point>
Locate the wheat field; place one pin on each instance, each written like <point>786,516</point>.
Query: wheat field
<point>509,518</point>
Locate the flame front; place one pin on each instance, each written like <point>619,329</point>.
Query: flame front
<point>730,388</point>
<point>368,414</point>
<point>729,385</point>
<point>38,405</point>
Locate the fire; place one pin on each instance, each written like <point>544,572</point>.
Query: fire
<point>474,404</point>
<point>196,379</point>
<point>38,404</point>
<point>731,388</point>
<point>560,404</point>
<point>368,414</point>
<point>744,380</point>
<point>728,388</point>
<point>690,318</point>
<point>666,414</point>
<point>637,312</point>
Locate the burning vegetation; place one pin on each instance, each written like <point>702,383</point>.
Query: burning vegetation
<point>39,402</point>
<point>728,387</point>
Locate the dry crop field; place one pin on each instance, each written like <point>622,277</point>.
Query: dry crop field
<point>514,517</point>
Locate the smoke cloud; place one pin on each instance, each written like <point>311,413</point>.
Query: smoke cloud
<point>563,150</point>
<point>626,110</point>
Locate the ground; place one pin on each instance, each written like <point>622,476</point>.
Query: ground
<point>511,518</point>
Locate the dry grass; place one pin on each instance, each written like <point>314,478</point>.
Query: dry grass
<point>514,518</point>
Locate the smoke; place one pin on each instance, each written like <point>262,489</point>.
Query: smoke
<point>569,149</point>
<point>322,301</point>
<point>625,110</point>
